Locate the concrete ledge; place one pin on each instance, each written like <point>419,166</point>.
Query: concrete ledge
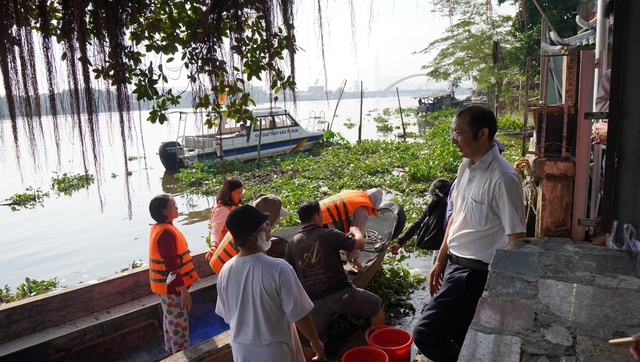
<point>552,299</point>
<point>490,347</point>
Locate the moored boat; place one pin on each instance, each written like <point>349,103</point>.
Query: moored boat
<point>275,131</point>
<point>118,318</point>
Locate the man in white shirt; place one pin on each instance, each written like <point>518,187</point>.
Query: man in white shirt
<point>488,213</point>
<point>261,298</point>
<point>242,131</point>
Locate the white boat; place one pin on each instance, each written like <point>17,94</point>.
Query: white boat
<point>275,132</point>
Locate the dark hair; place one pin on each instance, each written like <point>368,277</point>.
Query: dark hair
<point>480,117</point>
<point>439,188</point>
<point>157,206</point>
<point>608,8</point>
<point>228,186</point>
<point>308,210</point>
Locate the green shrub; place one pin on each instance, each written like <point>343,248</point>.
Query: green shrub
<point>510,124</point>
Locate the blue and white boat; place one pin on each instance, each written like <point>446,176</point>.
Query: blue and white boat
<point>275,132</point>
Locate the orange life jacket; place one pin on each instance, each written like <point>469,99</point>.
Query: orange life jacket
<point>157,271</point>
<point>224,252</point>
<point>339,208</point>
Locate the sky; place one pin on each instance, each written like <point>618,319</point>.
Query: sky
<point>378,53</point>
<point>387,33</point>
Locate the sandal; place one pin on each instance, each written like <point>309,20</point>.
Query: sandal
<point>600,240</point>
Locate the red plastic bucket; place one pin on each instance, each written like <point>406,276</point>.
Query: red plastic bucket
<point>395,342</point>
<point>365,354</point>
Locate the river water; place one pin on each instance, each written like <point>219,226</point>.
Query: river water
<point>74,239</point>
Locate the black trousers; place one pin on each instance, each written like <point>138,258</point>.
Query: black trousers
<point>443,325</point>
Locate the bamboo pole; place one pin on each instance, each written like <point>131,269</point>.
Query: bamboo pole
<point>360,126</point>
<point>404,131</point>
<point>344,84</point>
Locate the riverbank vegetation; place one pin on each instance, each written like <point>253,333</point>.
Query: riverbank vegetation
<point>403,169</point>
<point>30,288</point>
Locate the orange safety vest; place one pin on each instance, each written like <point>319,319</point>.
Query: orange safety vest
<point>157,271</point>
<point>338,208</point>
<point>224,227</point>
<point>224,252</point>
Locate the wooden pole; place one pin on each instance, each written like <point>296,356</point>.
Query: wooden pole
<point>344,84</point>
<point>223,169</point>
<point>404,131</point>
<point>259,141</point>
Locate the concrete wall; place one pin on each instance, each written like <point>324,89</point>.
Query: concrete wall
<point>555,300</point>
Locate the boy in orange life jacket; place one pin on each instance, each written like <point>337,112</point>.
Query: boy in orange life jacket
<point>171,272</point>
<point>314,254</point>
<point>351,208</point>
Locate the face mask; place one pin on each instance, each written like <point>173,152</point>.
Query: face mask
<point>263,242</point>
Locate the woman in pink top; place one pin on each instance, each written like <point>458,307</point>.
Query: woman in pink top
<point>227,199</point>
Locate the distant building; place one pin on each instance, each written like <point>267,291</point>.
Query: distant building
<point>316,89</point>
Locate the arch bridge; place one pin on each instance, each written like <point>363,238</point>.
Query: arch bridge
<point>390,87</point>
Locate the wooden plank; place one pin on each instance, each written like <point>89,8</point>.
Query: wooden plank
<point>216,349</point>
<point>24,317</point>
<point>85,329</point>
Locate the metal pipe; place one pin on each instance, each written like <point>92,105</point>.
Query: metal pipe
<point>602,43</point>
<point>583,145</point>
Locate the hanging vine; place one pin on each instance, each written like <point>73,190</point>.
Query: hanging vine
<point>111,45</point>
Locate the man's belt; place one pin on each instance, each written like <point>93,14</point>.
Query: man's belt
<point>474,264</point>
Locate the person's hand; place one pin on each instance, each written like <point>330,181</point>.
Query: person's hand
<point>521,164</point>
<point>635,348</point>
<point>186,298</point>
<point>600,133</point>
<point>210,253</point>
<point>435,278</point>
<point>394,248</point>
<point>353,230</point>
<point>357,265</point>
<point>318,348</point>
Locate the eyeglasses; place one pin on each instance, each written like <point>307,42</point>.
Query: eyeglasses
<point>456,134</point>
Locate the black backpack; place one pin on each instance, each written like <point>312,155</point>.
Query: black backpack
<point>431,232</point>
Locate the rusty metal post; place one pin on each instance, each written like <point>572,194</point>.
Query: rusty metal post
<point>583,144</point>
